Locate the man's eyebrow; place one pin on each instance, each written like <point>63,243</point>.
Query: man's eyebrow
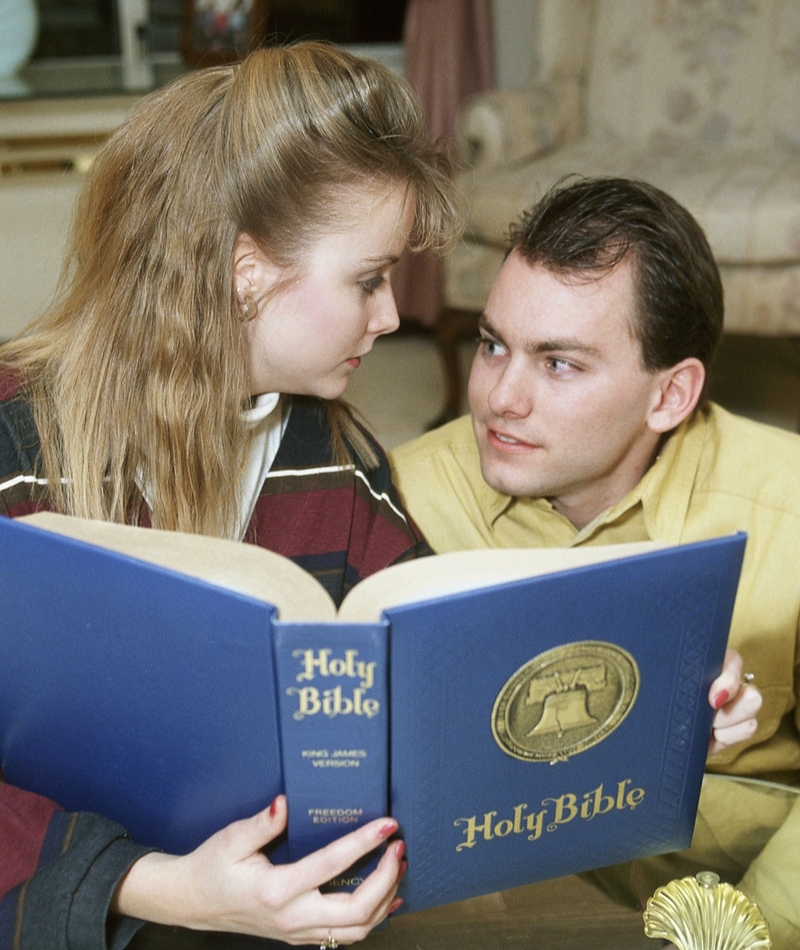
<point>485,324</point>
<point>564,345</point>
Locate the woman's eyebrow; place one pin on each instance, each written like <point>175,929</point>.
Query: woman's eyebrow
<point>381,259</point>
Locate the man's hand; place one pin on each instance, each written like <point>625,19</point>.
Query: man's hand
<point>737,704</point>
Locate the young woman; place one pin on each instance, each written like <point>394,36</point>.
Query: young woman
<point>228,270</point>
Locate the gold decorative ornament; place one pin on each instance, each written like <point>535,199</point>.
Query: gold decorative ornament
<point>565,701</point>
<point>248,308</point>
<point>700,913</point>
<point>329,943</point>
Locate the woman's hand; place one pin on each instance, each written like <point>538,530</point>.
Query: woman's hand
<point>736,703</point>
<point>227,884</point>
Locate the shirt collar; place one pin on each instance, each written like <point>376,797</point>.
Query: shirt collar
<point>494,503</point>
<point>665,490</point>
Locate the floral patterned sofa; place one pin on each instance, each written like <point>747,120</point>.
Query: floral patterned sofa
<point>700,97</point>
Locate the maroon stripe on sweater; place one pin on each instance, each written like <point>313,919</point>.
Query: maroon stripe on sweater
<point>24,818</point>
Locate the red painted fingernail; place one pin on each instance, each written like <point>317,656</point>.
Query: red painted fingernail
<point>402,871</point>
<point>400,850</point>
<point>397,902</point>
<point>273,808</point>
<point>388,829</point>
<point>720,699</point>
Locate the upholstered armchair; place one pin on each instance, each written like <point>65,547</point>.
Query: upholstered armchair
<point>699,97</point>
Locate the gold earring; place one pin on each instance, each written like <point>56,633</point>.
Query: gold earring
<point>247,307</point>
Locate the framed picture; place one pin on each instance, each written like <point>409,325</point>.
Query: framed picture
<point>222,31</point>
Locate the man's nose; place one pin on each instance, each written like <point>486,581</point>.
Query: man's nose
<point>511,394</point>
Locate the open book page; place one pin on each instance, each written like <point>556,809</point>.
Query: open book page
<point>244,568</point>
<point>264,575</point>
<point>460,571</point>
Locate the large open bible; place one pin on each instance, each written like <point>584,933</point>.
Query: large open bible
<point>523,714</point>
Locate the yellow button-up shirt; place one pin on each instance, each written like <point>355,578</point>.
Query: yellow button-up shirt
<point>716,474</point>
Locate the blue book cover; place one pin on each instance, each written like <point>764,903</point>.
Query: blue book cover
<point>562,723</point>
<point>128,694</point>
<point>518,727</point>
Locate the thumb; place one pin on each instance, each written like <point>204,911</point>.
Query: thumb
<point>726,685</point>
<point>249,835</point>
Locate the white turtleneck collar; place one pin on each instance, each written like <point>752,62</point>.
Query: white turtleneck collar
<point>266,421</point>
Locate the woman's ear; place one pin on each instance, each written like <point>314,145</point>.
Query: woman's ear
<point>677,394</point>
<point>253,274</point>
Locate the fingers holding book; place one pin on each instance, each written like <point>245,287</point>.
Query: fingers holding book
<point>737,700</point>
<point>228,884</point>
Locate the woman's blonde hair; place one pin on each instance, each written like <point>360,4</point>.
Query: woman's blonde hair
<point>139,371</point>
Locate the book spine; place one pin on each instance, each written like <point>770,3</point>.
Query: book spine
<point>332,693</point>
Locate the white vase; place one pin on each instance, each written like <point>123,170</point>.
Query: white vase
<point>19,29</point>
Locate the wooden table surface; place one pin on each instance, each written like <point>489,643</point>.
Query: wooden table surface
<point>563,914</point>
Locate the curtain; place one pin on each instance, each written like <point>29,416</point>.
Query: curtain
<point>447,45</point>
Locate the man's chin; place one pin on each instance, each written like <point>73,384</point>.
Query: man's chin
<point>508,482</point>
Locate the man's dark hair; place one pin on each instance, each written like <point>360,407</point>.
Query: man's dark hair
<point>587,226</point>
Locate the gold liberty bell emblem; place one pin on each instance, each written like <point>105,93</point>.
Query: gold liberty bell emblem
<point>565,701</point>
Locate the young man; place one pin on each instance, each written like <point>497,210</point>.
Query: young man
<point>589,425</point>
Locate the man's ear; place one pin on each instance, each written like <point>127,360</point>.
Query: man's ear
<point>677,393</point>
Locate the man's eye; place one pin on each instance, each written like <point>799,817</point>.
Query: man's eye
<point>556,365</point>
<point>491,347</point>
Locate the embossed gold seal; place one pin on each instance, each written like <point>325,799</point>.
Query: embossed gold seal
<point>565,701</point>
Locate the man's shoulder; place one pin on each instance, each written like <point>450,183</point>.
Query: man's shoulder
<point>752,459</point>
<point>746,438</point>
<point>439,479</point>
<point>435,462</point>
<point>454,439</point>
